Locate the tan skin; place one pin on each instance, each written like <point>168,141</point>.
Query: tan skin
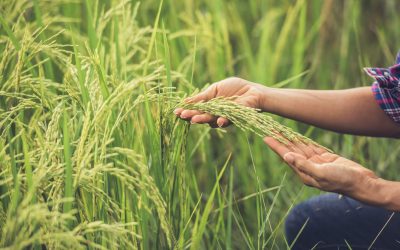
<point>352,111</point>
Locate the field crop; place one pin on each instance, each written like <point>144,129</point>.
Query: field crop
<point>92,156</point>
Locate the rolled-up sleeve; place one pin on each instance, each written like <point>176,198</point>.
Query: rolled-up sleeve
<point>386,88</point>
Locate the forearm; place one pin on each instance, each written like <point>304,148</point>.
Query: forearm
<point>352,111</point>
<point>379,192</point>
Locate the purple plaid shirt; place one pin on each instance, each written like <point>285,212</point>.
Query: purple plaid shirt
<point>386,89</point>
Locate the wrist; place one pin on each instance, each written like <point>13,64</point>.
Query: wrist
<point>266,98</point>
<point>387,194</point>
<point>378,192</point>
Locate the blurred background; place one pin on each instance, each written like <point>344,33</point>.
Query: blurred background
<point>308,44</point>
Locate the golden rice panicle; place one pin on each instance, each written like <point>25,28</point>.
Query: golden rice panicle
<point>249,119</point>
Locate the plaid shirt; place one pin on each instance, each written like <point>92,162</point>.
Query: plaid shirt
<point>386,89</point>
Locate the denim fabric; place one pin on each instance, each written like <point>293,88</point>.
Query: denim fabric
<point>330,220</point>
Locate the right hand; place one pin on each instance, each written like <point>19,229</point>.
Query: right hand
<point>248,94</point>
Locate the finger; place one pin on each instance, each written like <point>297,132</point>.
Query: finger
<point>297,171</point>
<point>305,178</point>
<point>203,118</point>
<point>317,149</point>
<point>178,111</point>
<point>329,157</point>
<point>309,181</point>
<point>323,158</point>
<point>278,147</point>
<point>203,96</point>
<point>222,122</point>
<point>306,166</point>
<point>187,114</point>
<point>294,147</point>
<point>305,149</point>
<point>292,158</point>
<point>317,159</point>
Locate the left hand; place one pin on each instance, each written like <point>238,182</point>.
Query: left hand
<point>323,170</point>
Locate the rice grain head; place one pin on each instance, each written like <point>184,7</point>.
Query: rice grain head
<point>249,119</point>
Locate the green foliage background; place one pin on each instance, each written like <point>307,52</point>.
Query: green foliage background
<point>91,155</point>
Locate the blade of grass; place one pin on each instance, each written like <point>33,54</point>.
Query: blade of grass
<point>228,241</point>
<point>81,73</point>
<point>152,39</point>
<point>27,164</point>
<point>198,234</point>
<point>68,188</point>
<point>90,25</point>
<point>10,34</point>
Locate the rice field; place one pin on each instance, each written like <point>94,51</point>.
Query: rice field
<point>92,156</point>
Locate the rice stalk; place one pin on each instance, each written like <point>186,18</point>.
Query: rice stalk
<point>248,119</point>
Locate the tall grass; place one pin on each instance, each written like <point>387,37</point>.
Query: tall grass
<point>91,155</point>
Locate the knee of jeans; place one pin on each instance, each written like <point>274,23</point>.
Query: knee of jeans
<point>294,222</point>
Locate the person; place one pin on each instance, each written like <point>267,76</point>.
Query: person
<point>361,210</point>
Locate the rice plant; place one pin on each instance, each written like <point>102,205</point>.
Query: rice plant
<point>91,155</point>
<point>248,119</point>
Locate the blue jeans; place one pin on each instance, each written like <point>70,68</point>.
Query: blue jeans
<point>329,221</point>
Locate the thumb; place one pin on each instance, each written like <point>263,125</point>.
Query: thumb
<point>291,157</point>
<point>203,96</point>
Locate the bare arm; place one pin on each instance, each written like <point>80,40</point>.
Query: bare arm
<point>352,111</point>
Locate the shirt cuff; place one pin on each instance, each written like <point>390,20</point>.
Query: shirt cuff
<point>386,89</point>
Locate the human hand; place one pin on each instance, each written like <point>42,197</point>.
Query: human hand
<point>323,170</point>
<point>248,94</point>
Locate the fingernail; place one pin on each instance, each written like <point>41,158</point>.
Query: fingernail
<point>176,112</point>
<point>288,158</point>
<point>220,123</point>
